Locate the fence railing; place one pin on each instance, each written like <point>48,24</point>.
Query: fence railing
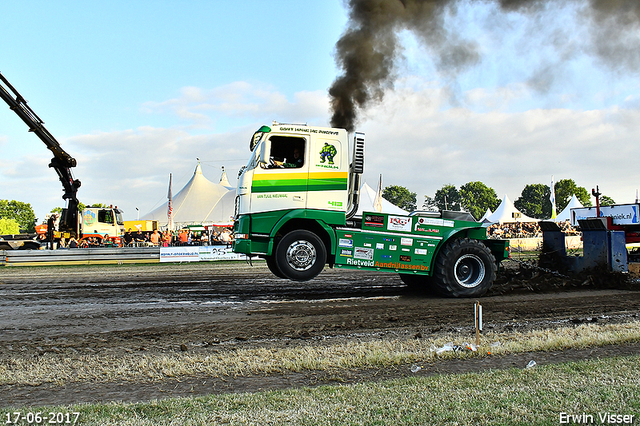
<point>84,256</point>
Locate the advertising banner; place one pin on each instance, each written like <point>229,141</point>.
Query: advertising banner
<point>622,214</point>
<point>198,253</point>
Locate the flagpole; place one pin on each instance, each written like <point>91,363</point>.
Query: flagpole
<point>170,206</point>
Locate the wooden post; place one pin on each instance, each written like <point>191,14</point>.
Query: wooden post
<point>477,310</point>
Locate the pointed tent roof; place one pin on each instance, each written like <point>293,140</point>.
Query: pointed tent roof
<point>486,216</point>
<point>367,199</point>
<point>200,201</point>
<point>224,181</point>
<point>504,213</point>
<point>574,203</point>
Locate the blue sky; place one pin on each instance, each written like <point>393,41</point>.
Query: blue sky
<point>137,90</point>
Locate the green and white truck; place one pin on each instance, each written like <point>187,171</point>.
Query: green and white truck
<point>296,206</point>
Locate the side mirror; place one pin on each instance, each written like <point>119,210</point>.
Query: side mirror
<point>263,155</point>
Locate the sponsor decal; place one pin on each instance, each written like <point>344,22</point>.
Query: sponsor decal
<point>421,251</point>
<point>348,235</point>
<point>327,153</point>
<point>335,203</point>
<point>367,244</point>
<point>406,241</point>
<point>398,265</point>
<point>404,258</point>
<point>346,252</point>
<point>89,217</point>
<point>272,196</point>
<point>363,253</point>
<point>393,247</point>
<point>427,229</point>
<point>388,239</point>
<point>376,221</point>
<point>399,223</point>
<point>386,256</point>
<point>343,242</point>
<point>406,249</point>
<point>309,130</point>
<point>379,246</point>
<point>359,262</point>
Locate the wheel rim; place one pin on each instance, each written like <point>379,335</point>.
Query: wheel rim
<point>301,255</point>
<point>469,270</point>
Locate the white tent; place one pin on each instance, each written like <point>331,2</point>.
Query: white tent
<point>368,198</point>
<point>574,203</point>
<point>200,201</point>
<point>507,213</point>
<point>486,215</point>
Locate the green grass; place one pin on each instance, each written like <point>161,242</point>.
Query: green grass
<point>352,354</point>
<point>533,396</point>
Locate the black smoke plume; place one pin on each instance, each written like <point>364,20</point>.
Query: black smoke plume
<point>368,50</point>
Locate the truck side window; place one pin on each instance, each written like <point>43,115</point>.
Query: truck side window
<point>286,152</point>
<point>105,216</point>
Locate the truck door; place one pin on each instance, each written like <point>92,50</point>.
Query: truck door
<point>328,174</point>
<point>280,179</point>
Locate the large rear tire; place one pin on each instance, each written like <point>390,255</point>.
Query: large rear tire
<point>464,268</point>
<point>300,255</point>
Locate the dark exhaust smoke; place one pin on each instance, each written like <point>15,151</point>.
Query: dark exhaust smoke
<point>368,50</point>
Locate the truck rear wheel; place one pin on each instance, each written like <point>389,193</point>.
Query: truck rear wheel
<point>300,255</point>
<point>464,268</point>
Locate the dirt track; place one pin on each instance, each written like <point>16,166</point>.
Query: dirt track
<point>122,309</point>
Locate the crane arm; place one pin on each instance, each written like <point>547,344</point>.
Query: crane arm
<point>61,162</point>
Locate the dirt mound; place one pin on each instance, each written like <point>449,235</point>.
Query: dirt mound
<point>517,276</point>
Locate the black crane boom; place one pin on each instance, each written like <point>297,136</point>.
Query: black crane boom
<point>61,162</point>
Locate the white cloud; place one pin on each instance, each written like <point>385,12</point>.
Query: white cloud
<point>423,148</point>
<point>414,138</point>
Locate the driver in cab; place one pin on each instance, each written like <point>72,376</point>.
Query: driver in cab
<point>296,162</point>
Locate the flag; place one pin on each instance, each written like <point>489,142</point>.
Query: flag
<point>170,207</point>
<point>377,201</point>
<point>552,198</point>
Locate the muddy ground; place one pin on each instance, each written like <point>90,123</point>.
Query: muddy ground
<point>168,308</point>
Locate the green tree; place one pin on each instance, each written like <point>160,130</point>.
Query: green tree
<point>20,212</point>
<point>606,200</point>
<point>9,226</point>
<point>448,198</point>
<point>400,196</point>
<point>58,210</point>
<point>476,198</point>
<point>565,188</point>
<point>534,201</point>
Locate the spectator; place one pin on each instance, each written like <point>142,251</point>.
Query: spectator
<point>72,242</point>
<point>183,237</point>
<point>155,238</point>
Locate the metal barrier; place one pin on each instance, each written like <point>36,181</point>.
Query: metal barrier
<point>85,256</point>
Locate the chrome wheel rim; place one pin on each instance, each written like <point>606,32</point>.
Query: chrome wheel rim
<point>301,255</point>
<point>469,270</point>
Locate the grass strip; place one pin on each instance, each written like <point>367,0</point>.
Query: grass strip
<point>51,368</point>
<point>535,396</point>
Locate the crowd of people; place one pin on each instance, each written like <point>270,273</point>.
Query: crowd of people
<point>167,238</point>
<point>182,237</point>
<point>525,230</point>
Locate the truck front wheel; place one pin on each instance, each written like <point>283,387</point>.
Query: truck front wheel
<point>464,268</point>
<point>301,255</point>
<point>273,267</point>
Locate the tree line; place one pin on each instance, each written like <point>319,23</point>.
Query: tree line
<point>476,198</point>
